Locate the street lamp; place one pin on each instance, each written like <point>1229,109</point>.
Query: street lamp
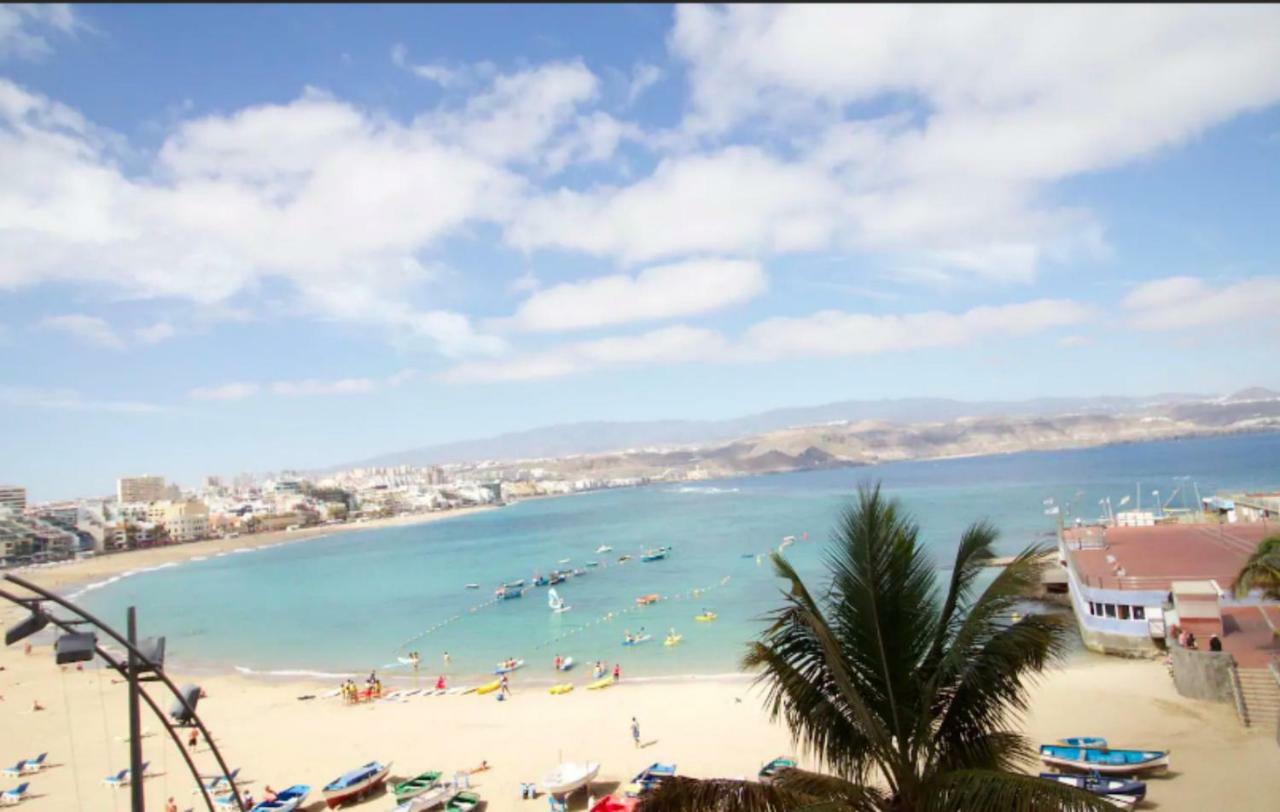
<point>144,663</point>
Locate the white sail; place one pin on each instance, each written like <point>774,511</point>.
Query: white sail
<point>553,599</point>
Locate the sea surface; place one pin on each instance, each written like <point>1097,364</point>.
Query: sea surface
<point>357,600</point>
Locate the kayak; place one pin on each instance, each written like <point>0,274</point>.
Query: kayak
<point>489,687</point>
<point>505,669</point>
<point>673,640</point>
<point>705,616</point>
<point>637,640</point>
<point>603,682</point>
<point>562,688</point>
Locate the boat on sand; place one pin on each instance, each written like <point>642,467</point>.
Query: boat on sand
<point>286,800</point>
<point>1119,791</point>
<point>1103,760</point>
<point>464,801</point>
<point>416,786</point>
<point>570,776</point>
<point>355,784</point>
<point>768,771</point>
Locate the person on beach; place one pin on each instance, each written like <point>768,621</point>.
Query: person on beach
<point>635,732</point>
<point>558,662</point>
<point>170,805</point>
<point>193,739</point>
<point>505,688</point>
<point>617,671</point>
<point>36,706</point>
<point>1214,643</point>
<point>440,683</point>
<point>447,659</point>
<point>268,794</point>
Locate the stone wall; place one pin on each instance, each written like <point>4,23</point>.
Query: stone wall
<point>1202,674</point>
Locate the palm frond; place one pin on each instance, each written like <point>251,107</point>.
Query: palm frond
<point>966,790</point>
<point>1262,570</point>
<point>845,795</point>
<point>681,794</point>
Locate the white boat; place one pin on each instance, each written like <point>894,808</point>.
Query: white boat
<point>565,560</point>
<point>433,798</point>
<point>556,602</point>
<point>604,548</point>
<point>570,776</point>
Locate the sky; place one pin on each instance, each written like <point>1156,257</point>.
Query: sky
<point>250,238</point>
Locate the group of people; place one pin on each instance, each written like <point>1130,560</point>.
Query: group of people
<point>599,669</point>
<point>629,638</point>
<point>372,689</point>
<point>1187,639</point>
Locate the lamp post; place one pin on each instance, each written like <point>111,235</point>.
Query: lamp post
<point>138,666</point>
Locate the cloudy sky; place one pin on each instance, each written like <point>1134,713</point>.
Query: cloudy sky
<point>252,237</point>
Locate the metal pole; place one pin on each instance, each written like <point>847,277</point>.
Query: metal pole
<point>135,718</point>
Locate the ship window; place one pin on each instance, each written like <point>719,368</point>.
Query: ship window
<point>1139,613</point>
<point>1110,609</point>
<point>1124,612</point>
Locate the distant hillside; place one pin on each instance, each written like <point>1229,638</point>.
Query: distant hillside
<point>604,436</point>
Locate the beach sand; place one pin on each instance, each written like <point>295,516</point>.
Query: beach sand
<point>710,727</point>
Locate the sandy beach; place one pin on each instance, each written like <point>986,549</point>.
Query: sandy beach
<point>710,727</point>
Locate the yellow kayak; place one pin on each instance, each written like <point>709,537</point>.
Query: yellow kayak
<point>705,617</point>
<point>673,640</point>
<point>489,687</point>
<point>562,688</point>
<point>603,682</point>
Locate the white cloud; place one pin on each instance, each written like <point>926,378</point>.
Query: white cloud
<point>227,391</point>
<point>23,27</point>
<point>826,334</point>
<point>984,108</point>
<point>833,333</point>
<point>440,74</point>
<point>669,345</point>
<point>1180,302</point>
<point>660,292</point>
<point>312,386</point>
<point>89,329</point>
<point>401,378</point>
<point>643,77</point>
<point>69,400</point>
<point>155,333</point>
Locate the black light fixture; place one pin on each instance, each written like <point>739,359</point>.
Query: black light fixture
<point>180,712</point>
<point>152,651</point>
<point>26,627</point>
<point>75,647</point>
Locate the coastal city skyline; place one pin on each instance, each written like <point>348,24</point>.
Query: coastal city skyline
<point>362,233</point>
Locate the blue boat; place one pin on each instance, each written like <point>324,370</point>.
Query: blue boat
<point>541,580</point>
<point>1083,741</point>
<point>286,800</point>
<point>655,555</point>
<point>1103,760</point>
<point>1118,789</point>
<point>650,777</point>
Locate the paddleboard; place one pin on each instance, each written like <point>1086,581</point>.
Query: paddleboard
<point>489,687</point>
<point>563,688</point>
<point>603,682</point>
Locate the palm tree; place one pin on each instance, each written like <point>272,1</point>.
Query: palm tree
<point>903,697</point>
<point>1262,570</point>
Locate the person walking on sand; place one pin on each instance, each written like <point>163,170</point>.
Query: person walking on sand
<point>170,805</point>
<point>617,671</point>
<point>504,687</point>
<point>635,732</point>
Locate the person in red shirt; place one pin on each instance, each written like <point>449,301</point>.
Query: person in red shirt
<point>617,672</point>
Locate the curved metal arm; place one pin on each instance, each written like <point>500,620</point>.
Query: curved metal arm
<point>159,672</point>
<point>151,703</point>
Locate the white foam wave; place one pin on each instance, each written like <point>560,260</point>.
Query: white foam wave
<point>292,672</point>
<point>95,585</point>
<point>708,489</point>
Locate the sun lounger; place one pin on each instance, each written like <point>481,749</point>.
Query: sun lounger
<point>16,769</point>
<point>215,782</point>
<point>122,778</point>
<point>33,765</point>
<point>13,796</point>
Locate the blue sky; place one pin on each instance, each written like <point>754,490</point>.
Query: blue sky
<point>249,238</point>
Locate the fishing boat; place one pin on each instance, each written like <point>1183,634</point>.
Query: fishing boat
<point>656,554</point>
<point>463,801</point>
<point>645,600</point>
<point>508,591</point>
<point>768,771</point>
<point>556,602</point>
<point>355,784</point>
<point>570,776</point>
<point>1103,760</point>
<point>564,561</point>
<point>622,559</point>
<point>286,800</point>
<point>593,564</point>
<point>555,578</point>
<point>579,571</point>
<point>505,668</point>
<point>603,548</point>
<point>637,640</point>
<point>431,798</point>
<point>673,640</point>
<point>416,786</point>
<point>649,778</point>
<point>705,617</point>
<point>541,580</point>
<point>1083,741</point>
<point>1117,790</point>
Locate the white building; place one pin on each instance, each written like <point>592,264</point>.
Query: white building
<point>13,497</point>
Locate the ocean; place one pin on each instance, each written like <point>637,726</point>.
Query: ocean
<point>346,603</point>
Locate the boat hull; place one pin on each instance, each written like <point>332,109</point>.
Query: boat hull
<point>1104,761</point>
<point>334,798</point>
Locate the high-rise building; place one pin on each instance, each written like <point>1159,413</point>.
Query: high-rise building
<point>140,489</point>
<point>13,497</point>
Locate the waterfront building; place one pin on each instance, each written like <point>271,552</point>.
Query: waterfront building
<point>140,489</point>
<point>29,539</point>
<point>13,497</point>
<point>1123,580</point>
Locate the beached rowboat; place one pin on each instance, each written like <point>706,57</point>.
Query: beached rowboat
<point>1119,791</point>
<point>1103,760</point>
<point>355,784</point>
<point>462,802</point>
<point>570,776</point>
<point>768,771</point>
<point>286,800</point>
<point>432,798</point>
<point>416,786</point>
<point>650,777</point>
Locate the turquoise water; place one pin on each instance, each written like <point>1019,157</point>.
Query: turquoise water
<point>348,602</point>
